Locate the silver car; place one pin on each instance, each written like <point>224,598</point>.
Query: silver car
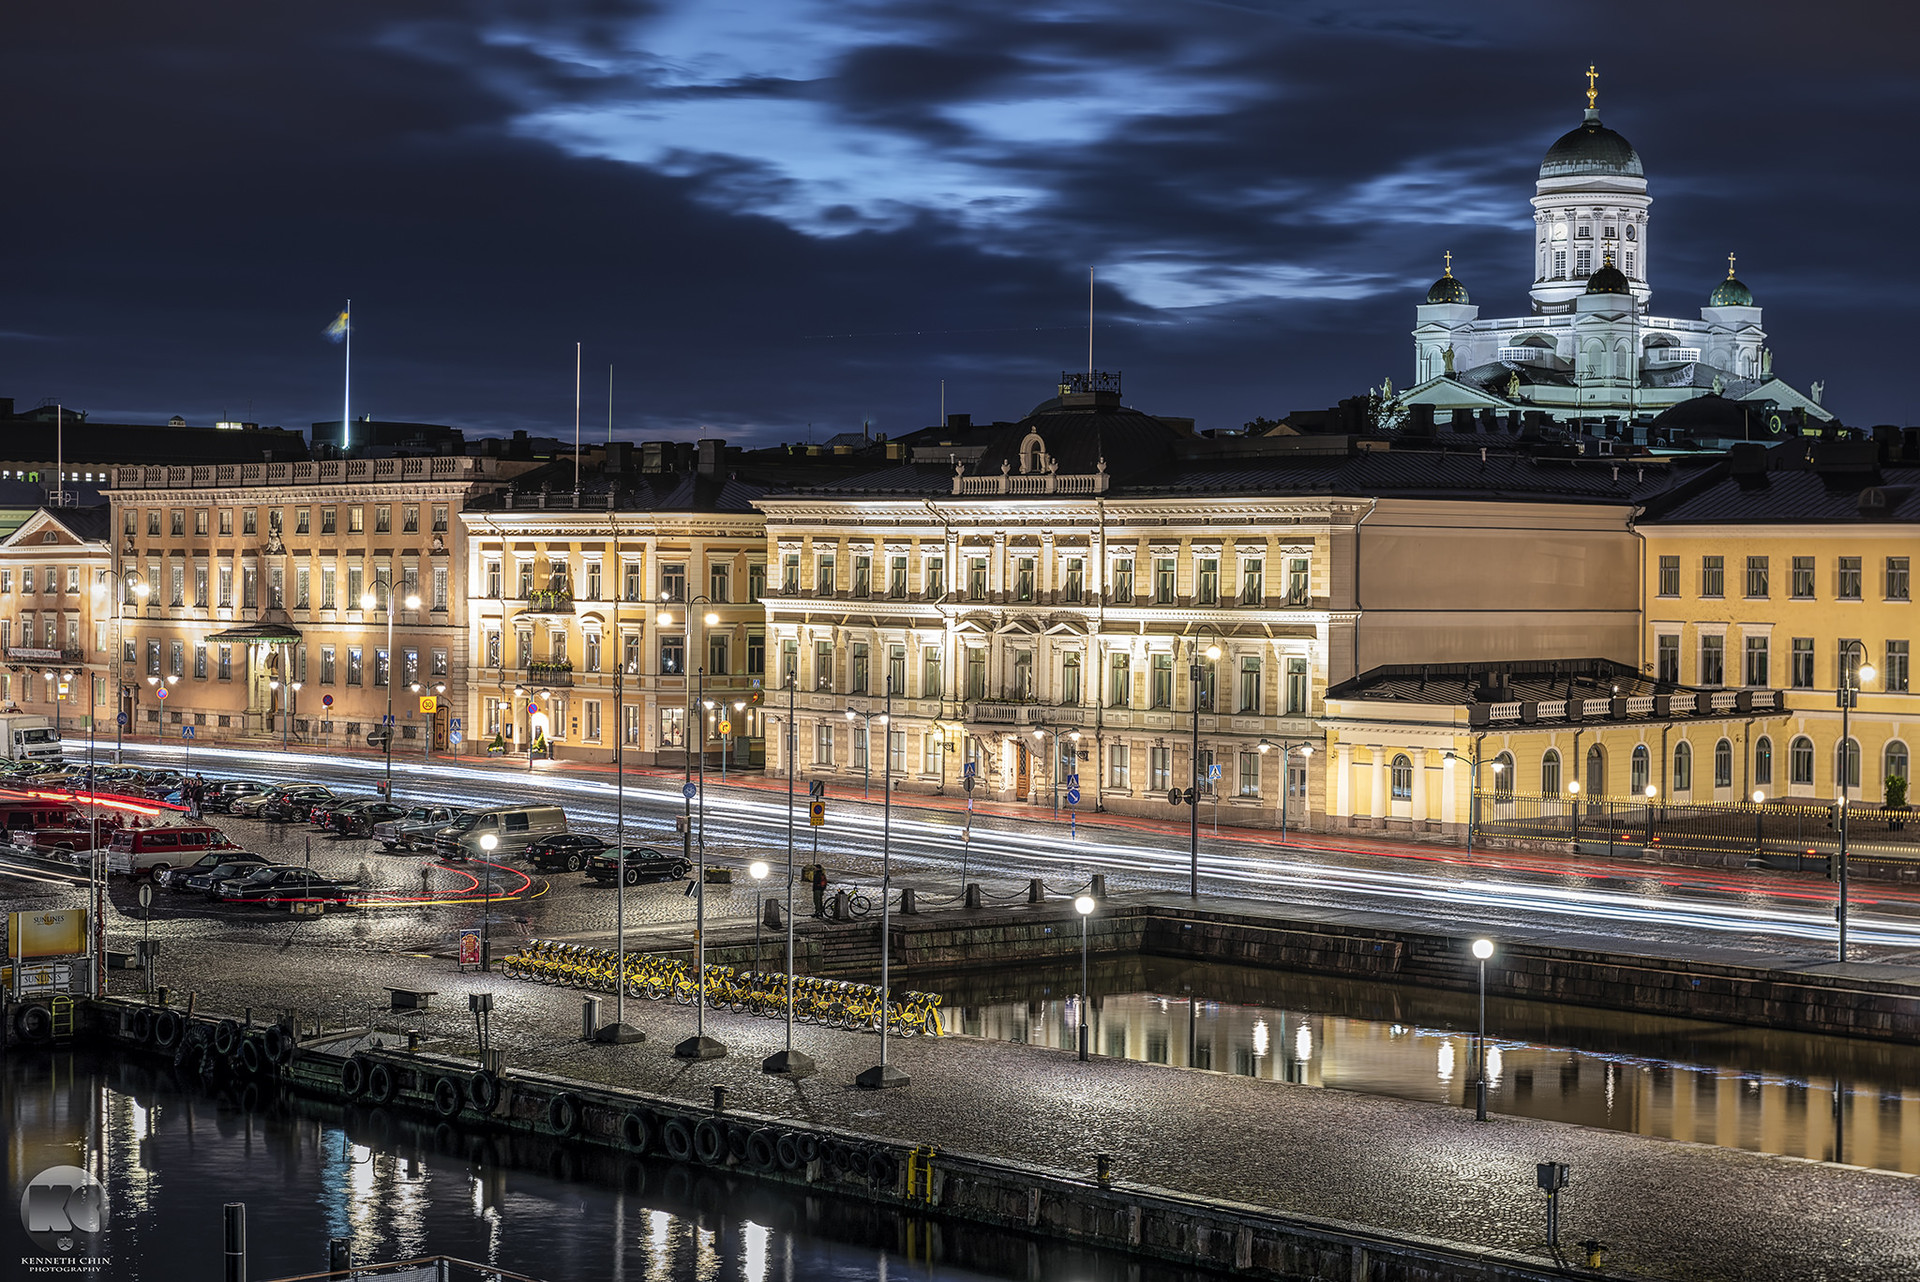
<point>416,828</point>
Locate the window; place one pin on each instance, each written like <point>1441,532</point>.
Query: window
<point>383,520</point>
<point>440,589</point>
<point>1559,264</point>
<point>857,676</point>
<point>1123,581</point>
<point>1119,776</point>
<point>153,658</point>
<point>1897,579</point>
<point>382,667</point>
<point>673,727</point>
<point>1669,576</point>
<point>326,665</point>
<point>1161,695</point>
<point>1163,580</point>
<point>1723,764</point>
<point>823,743</point>
<point>1502,777</point>
<point>410,520</point>
<point>439,661</point>
<point>673,581</point>
<point>73,577</point>
<point>1713,660</point>
<point>178,596</point>
<point>523,648</point>
<point>1800,761</point>
<point>1802,674</point>
<point>673,655</point>
<point>276,588</point>
<point>756,653</point>
<point>932,753</point>
<point>1846,668</point>
<point>249,587</point>
<point>1632,268</point>
<point>1713,576</point>
<point>1073,586</point>
<point>1894,674</point>
<point>824,578</point>
<point>353,665</point>
<point>1667,654</point>
<point>226,663</point>
<point>629,651</point>
<point>1206,586</point>
<point>153,523</point>
<point>1070,679</point>
<point>1160,769</point>
<point>718,654</point>
<point>977,578</point>
<point>200,522</point>
<point>1401,778</point>
<point>1550,773</point>
<point>303,521</point>
<point>200,586</point>
<point>976,672</point>
<point>1846,763</point>
<point>897,669</point>
<point>1023,579</point>
<point>1119,679</point>
<point>177,658</point>
<point>823,665</point>
<point>897,578</point>
<point>1249,774</point>
<point>593,652</point>
<point>1296,686</point>
<point>493,580</point>
<point>593,580</point>
<point>629,580</point>
<point>1756,576</point>
<point>932,679</point>
<point>1641,769</point>
<point>1893,764</point>
<point>327,520</point>
<point>1756,665</point>
<point>861,734</point>
<point>1683,767</point>
<point>356,520</point>
<point>593,718</point>
<point>936,578</point>
<point>1849,578</point>
<point>718,584</point>
<point>1253,582</point>
<point>1249,684</point>
<point>1583,260</point>
<point>440,518</point>
<point>1763,761</point>
<point>863,575</point>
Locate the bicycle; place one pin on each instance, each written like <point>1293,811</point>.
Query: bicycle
<point>858,904</point>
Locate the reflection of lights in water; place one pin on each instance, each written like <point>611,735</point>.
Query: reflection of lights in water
<point>1493,1063</point>
<point>1610,1071</point>
<point>1446,1061</point>
<point>754,1266</point>
<point>659,1258</point>
<point>1259,1038</point>
<point>1303,1044</point>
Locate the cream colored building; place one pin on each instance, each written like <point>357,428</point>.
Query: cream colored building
<point>56,612</point>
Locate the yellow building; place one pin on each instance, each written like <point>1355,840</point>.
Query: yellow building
<point>56,604</point>
<point>1787,569</point>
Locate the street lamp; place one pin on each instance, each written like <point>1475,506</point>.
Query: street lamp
<point>699,1046</point>
<point>1482,949</point>
<point>1084,905</point>
<point>1852,680</point>
<point>790,1061</point>
<point>127,581</point>
<point>1759,829</point>
<point>1193,792</point>
<point>367,602</point>
<point>1286,772</point>
<point>758,871</point>
<point>1652,792</point>
<point>866,739</point>
<point>882,1075</point>
<point>487,843</point>
<point>1573,791</point>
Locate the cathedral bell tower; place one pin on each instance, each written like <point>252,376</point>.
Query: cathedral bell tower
<point>1590,204</point>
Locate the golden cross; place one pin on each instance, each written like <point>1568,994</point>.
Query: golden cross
<point>1729,266</point>
<point>1449,262</point>
<point>1593,79</point>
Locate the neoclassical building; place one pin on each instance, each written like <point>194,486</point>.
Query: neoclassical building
<point>56,613</point>
<point>1590,346</point>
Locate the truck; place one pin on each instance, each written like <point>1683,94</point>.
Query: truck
<point>25,737</point>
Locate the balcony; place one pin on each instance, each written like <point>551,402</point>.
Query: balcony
<point>558,673</point>
<point>1672,355</point>
<point>33,656</point>
<point>549,601</point>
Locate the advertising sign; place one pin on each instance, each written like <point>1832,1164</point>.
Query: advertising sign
<point>59,933</point>
<point>469,948</point>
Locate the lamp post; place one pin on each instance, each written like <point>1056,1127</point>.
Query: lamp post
<point>1573,791</point>
<point>273,684</point>
<point>1652,792</point>
<point>1286,772</point>
<point>789,1061</point>
<point>1851,680</point>
<point>1482,949</point>
<point>1084,905</point>
<point>368,600</point>
<point>1759,817</point>
<point>126,581</point>
<point>699,1046</point>
<point>882,1074</point>
<point>1193,792</point>
<point>757,870</point>
<point>866,757</point>
<point>487,843</point>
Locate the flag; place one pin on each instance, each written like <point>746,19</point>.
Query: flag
<point>338,330</point>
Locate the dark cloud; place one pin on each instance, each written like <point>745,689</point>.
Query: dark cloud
<point>781,215</point>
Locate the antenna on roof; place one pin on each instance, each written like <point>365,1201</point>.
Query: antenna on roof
<point>576,421</point>
<point>1089,328</point>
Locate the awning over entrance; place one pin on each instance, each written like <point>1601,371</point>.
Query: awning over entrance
<point>259,634</point>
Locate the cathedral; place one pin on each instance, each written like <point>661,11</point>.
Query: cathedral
<point>1591,348</point>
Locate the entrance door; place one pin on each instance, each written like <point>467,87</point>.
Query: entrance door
<point>1596,782</point>
<point>1023,773</point>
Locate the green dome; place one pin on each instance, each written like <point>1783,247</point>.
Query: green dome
<point>1447,289</point>
<point>1730,293</point>
<point>1591,149</point>
<point>1609,280</point>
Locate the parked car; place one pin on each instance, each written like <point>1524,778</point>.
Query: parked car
<point>417,826</point>
<point>287,805</point>
<point>566,852</point>
<point>514,828</point>
<point>176,878</point>
<point>221,796</point>
<point>644,863</point>
<point>280,884</point>
<point>159,783</point>
<point>358,820</point>
<point>237,864</point>
<point>136,852</point>
<point>320,814</point>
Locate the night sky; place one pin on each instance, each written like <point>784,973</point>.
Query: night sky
<point>783,218</point>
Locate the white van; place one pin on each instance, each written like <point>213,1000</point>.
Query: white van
<point>514,827</point>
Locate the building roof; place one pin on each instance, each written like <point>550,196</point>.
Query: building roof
<point>1591,149</point>
<point>1802,482</point>
<point>1510,695</point>
<point>89,444</point>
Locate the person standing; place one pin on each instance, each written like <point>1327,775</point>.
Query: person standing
<point>819,890</point>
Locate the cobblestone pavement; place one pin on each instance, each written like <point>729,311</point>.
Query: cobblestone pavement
<point>1665,1209</point>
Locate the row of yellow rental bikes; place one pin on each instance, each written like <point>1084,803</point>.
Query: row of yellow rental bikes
<point>834,1003</point>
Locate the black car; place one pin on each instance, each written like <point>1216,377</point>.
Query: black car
<point>357,820</point>
<point>291,805</point>
<point>220,797</point>
<point>176,878</point>
<point>643,864</point>
<point>281,884</point>
<point>568,852</point>
<point>321,814</point>
<point>235,865</point>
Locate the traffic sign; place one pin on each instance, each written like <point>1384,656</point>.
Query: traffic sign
<point>688,790</point>
<point>454,737</point>
<point>429,704</point>
<point>726,727</point>
<point>387,720</point>
<point>326,701</point>
<point>1173,796</point>
<point>967,768</point>
<point>122,718</point>
<point>161,693</point>
<point>1073,780</point>
<point>817,813</point>
<point>817,788</point>
<point>1213,773</point>
<point>970,781</point>
<point>379,736</point>
<point>63,689</point>
<point>186,732</point>
<point>455,723</point>
<point>1073,795</point>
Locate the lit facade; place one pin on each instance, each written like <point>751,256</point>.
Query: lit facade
<point>56,613</point>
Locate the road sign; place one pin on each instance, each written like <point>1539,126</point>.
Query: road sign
<point>161,693</point>
<point>454,724</point>
<point>1073,780</point>
<point>967,768</point>
<point>387,720</point>
<point>1213,773</point>
<point>454,737</point>
<point>970,781</point>
<point>1073,795</point>
<point>122,718</point>
<point>817,813</point>
<point>1173,796</point>
<point>326,701</point>
<point>688,790</point>
<point>63,689</point>
<point>726,727</point>
<point>817,788</point>
<point>379,736</point>
<point>429,705</point>
<point>186,732</point>
<point>146,895</point>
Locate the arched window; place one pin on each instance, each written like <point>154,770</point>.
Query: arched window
<point>1723,764</point>
<point>1503,775</point>
<point>1642,769</point>
<point>1800,761</point>
<point>1402,778</point>
<point>1846,761</point>
<point>1763,762</point>
<point>1894,763</point>
<point>1596,785</point>
<point>1550,773</point>
<point>1683,767</point>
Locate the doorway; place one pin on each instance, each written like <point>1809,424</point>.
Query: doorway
<point>1022,772</point>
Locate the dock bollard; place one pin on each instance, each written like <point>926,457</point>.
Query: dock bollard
<point>161,994</point>
<point>1036,891</point>
<point>719,1099</point>
<point>413,1042</point>
<point>906,901</point>
<point>1103,1168</point>
<point>589,1018</point>
<point>1099,888</point>
<point>340,1255</point>
<point>234,1215</point>
<point>974,897</point>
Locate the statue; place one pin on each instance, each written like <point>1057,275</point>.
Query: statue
<point>1766,362</point>
<point>1719,384</point>
<point>1819,389</point>
<point>1386,389</point>
<point>1513,386</point>
<point>274,546</point>
<point>1446,358</point>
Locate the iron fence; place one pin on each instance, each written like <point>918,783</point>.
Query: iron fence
<point>1790,833</point>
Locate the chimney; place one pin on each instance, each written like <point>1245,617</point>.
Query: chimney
<point>712,451</point>
<point>955,422</point>
<point>619,458</point>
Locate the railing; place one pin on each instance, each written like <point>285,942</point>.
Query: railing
<point>1031,483</point>
<point>330,471</point>
<point>1800,831</point>
<point>549,673</point>
<point>1672,355</point>
<point>549,601</point>
<point>1526,355</point>
<point>425,1268</point>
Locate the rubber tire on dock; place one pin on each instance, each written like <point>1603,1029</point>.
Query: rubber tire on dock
<point>226,1036</point>
<point>166,1029</point>
<point>737,1137</point>
<point>447,1097</point>
<point>677,1137</point>
<point>483,1090</point>
<point>382,1082</point>
<point>33,1024</point>
<point>809,1147</point>
<point>636,1132</point>
<point>563,1113</point>
<point>882,1169</point>
<point>710,1141</point>
<point>763,1150</point>
<point>252,1058</point>
<point>277,1045</point>
<point>787,1149</point>
<point>143,1024</point>
<point>854,1159</point>
<point>353,1077</point>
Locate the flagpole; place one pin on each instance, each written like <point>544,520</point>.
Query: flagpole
<point>576,425</point>
<point>346,394</point>
<point>609,404</point>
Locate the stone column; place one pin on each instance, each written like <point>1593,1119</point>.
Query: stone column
<point>1419,756</point>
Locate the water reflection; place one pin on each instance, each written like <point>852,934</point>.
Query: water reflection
<point>1826,1098</point>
